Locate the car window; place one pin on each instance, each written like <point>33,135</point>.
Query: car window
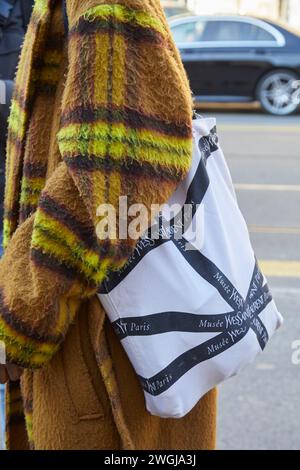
<point>260,34</point>
<point>189,32</point>
<point>173,11</point>
<point>235,31</point>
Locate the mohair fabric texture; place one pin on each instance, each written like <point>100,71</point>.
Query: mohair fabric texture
<point>103,113</point>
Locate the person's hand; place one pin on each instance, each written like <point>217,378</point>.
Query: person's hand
<point>9,372</point>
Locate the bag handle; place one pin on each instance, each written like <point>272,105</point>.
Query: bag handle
<point>65,17</point>
<point>26,6</point>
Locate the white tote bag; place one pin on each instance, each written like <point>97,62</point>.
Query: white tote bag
<point>191,312</point>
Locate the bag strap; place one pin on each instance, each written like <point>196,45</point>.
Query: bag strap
<point>65,17</point>
<point>26,6</point>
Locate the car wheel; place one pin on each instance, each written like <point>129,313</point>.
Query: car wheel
<point>276,92</point>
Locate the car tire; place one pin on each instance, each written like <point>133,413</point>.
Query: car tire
<point>277,92</point>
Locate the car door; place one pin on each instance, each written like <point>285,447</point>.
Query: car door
<point>229,58</point>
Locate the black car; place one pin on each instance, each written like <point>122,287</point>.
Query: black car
<point>240,59</point>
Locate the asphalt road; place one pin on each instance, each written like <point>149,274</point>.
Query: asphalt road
<point>260,408</point>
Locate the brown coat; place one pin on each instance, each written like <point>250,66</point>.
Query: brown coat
<point>73,411</point>
<point>79,390</point>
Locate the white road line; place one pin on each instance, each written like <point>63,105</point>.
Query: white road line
<point>285,129</point>
<point>274,230</point>
<point>285,291</point>
<point>267,187</point>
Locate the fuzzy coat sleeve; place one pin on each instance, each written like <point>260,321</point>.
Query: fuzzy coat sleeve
<point>121,134</point>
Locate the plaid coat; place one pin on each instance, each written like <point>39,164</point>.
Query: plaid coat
<point>103,113</point>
